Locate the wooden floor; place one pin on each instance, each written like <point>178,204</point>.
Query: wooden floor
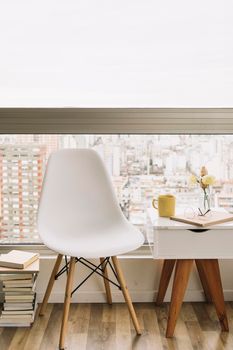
<point>100,326</point>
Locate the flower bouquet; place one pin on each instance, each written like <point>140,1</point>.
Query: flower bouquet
<point>205,181</point>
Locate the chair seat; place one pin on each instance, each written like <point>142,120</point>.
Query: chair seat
<point>118,239</point>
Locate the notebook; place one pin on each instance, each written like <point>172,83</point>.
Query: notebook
<point>18,259</point>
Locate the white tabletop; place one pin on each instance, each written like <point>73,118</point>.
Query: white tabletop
<point>163,223</point>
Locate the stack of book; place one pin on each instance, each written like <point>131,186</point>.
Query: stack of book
<point>18,273</point>
<point>19,305</point>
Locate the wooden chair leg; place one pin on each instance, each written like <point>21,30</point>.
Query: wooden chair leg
<point>203,280</point>
<point>126,294</point>
<point>182,272</point>
<point>50,284</point>
<point>213,278</point>
<point>69,284</point>
<point>106,283</point>
<point>168,266</point>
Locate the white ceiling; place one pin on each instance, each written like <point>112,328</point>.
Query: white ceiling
<point>124,53</point>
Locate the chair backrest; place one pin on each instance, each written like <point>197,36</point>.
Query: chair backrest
<point>77,195</point>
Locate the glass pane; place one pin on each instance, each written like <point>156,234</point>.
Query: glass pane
<point>141,166</point>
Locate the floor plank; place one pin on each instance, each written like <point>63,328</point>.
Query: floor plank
<point>7,335</point>
<point>123,328</point>
<point>109,327</point>
<point>206,322</point>
<point>36,333</point>
<point>151,333</point>
<point>95,329</point>
<point>52,331</point>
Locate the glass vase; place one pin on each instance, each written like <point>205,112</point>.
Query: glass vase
<point>204,200</point>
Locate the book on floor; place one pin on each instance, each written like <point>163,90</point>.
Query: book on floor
<point>14,325</point>
<point>17,306</point>
<point>16,277</point>
<point>18,289</point>
<point>17,312</point>
<point>27,317</point>
<point>18,298</point>
<point>18,283</point>
<point>18,295</point>
<point>17,321</point>
<point>18,259</point>
<point>15,293</point>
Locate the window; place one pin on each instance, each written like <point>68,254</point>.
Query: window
<point>142,166</point>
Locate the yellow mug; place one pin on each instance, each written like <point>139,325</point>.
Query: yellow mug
<point>166,204</point>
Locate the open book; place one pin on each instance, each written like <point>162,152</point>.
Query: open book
<point>18,259</point>
<point>215,217</point>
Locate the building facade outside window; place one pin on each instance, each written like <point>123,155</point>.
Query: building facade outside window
<point>141,166</point>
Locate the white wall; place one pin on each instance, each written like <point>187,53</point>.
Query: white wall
<point>142,276</point>
<point>133,53</point>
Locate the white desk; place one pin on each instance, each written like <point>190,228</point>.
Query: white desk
<point>175,240</point>
<point>179,245</point>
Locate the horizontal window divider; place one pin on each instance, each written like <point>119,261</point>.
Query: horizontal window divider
<point>116,120</point>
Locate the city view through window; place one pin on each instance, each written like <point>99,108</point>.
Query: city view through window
<point>141,166</point>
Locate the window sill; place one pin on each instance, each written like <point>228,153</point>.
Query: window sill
<point>144,252</point>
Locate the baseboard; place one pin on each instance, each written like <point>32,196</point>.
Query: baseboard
<point>137,296</point>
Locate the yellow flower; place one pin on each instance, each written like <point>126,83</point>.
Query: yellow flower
<point>204,171</point>
<point>208,180</point>
<point>192,180</point>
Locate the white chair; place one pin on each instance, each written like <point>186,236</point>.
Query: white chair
<point>79,217</point>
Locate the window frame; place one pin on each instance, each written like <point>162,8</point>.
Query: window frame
<point>111,121</point>
<point>116,120</point>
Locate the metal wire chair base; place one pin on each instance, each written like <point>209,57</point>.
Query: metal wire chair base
<point>99,269</point>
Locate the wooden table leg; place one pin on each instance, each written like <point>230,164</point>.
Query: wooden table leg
<point>212,275</point>
<point>182,272</point>
<point>168,266</point>
<point>203,280</point>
